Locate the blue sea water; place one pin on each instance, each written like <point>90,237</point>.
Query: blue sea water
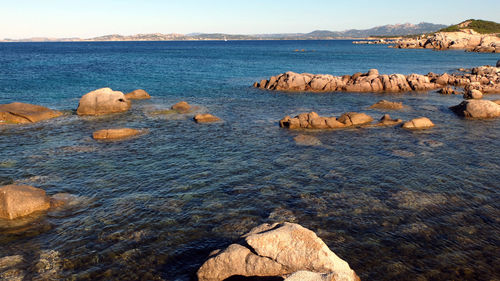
<point>395,204</point>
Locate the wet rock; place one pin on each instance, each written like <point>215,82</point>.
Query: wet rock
<point>473,94</point>
<point>355,118</point>
<point>10,261</point>
<point>49,265</point>
<point>418,200</point>
<point>386,120</point>
<point>307,140</point>
<point>21,200</point>
<point>403,153</point>
<point>103,101</point>
<point>182,107</point>
<point>275,250</point>
<point>206,118</point>
<point>383,104</point>
<point>13,274</point>
<point>113,134</point>
<point>498,63</point>
<point>448,91</point>
<point>22,113</point>
<point>418,123</point>
<point>138,94</point>
<point>477,109</point>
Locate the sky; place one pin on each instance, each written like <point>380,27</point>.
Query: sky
<point>90,18</point>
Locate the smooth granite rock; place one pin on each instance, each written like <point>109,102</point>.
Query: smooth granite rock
<point>103,101</point>
<point>22,113</point>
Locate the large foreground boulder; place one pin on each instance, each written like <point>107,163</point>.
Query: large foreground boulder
<point>138,94</point>
<point>22,113</point>
<point>276,250</point>
<point>114,134</point>
<point>103,101</point>
<point>477,109</point>
<point>21,200</point>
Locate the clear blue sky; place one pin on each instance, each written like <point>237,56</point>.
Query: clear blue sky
<point>88,18</point>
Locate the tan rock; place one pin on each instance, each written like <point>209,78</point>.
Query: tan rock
<point>21,200</point>
<point>355,118</point>
<point>473,94</point>
<point>138,94</point>
<point>21,113</point>
<point>383,104</point>
<point>310,276</point>
<point>205,118</point>
<point>477,109</point>
<point>418,123</point>
<point>276,250</point>
<point>113,134</point>
<point>372,71</point>
<point>103,101</point>
<point>182,107</point>
<point>447,91</point>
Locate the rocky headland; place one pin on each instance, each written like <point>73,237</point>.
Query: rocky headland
<point>466,39</point>
<point>484,78</point>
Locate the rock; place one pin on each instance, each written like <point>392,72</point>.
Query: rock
<point>307,140</point>
<point>383,104</point>
<point>49,265</point>
<point>182,107</point>
<point>22,113</point>
<point>496,101</point>
<point>355,118</point>
<point>372,71</point>
<point>386,120</point>
<point>447,91</point>
<point>103,101</point>
<point>310,276</point>
<point>138,94</point>
<point>21,200</point>
<point>498,63</point>
<point>477,109</point>
<point>275,250</point>
<point>473,94</point>
<point>113,134</point>
<point>205,118</point>
<point>418,123</point>
<point>10,261</point>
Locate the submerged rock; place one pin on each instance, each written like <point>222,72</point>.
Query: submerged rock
<point>182,107</point>
<point>275,250</point>
<point>307,140</point>
<point>418,123</point>
<point>383,104</point>
<point>103,101</point>
<point>22,113</point>
<point>21,200</point>
<point>206,118</point>
<point>138,94</point>
<point>113,134</point>
<point>477,109</point>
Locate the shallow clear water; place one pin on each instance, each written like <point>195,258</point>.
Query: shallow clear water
<point>395,204</point>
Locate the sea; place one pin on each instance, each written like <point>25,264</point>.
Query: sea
<point>394,204</point>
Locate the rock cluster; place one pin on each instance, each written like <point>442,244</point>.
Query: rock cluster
<point>22,113</point>
<point>103,101</point>
<point>276,250</point>
<point>350,119</point>
<point>467,39</point>
<point>484,78</point>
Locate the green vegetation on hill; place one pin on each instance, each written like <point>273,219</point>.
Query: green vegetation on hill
<point>481,26</point>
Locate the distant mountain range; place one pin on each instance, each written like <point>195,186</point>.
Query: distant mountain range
<point>385,30</point>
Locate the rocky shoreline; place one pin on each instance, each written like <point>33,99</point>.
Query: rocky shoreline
<point>484,78</point>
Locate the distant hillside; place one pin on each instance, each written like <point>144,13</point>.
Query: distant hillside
<point>385,30</point>
<point>480,26</point>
